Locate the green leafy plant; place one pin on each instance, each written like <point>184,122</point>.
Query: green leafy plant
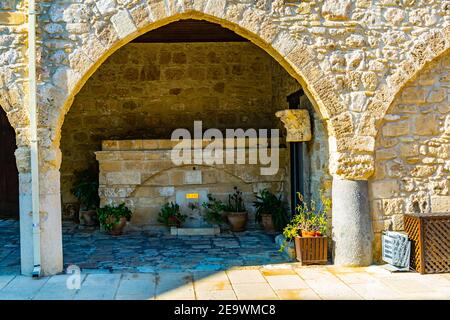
<point>269,203</point>
<point>308,218</point>
<point>110,215</point>
<point>213,210</point>
<point>235,202</point>
<point>85,189</point>
<point>170,215</point>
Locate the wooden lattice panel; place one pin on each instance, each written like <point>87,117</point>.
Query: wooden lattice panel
<point>412,226</point>
<point>430,242</point>
<point>437,245</point>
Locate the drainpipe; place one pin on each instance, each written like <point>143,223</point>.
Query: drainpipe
<point>34,139</point>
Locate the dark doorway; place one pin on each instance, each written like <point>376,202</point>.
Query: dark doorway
<point>9,176</point>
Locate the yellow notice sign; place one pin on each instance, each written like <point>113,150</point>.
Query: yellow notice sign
<point>192,195</point>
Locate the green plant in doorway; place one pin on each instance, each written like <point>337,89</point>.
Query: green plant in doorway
<point>269,206</point>
<point>85,189</point>
<point>170,215</point>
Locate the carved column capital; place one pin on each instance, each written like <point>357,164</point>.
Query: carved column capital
<point>297,124</point>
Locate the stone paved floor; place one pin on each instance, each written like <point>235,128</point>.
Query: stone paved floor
<point>148,250</point>
<point>281,281</point>
<point>153,265</point>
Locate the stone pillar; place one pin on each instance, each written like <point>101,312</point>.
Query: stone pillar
<point>51,232</point>
<point>51,229</point>
<point>351,222</point>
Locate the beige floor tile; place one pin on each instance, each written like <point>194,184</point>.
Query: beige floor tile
<point>407,286</point>
<point>254,291</point>
<point>210,285</point>
<point>286,282</point>
<point>245,276</point>
<point>335,290</point>
<point>357,277</point>
<point>216,295</point>
<point>311,273</point>
<point>375,291</point>
<point>277,272</point>
<point>299,294</point>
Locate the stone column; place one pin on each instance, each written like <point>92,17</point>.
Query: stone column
<point>351,220</point>
<point>50,202</point>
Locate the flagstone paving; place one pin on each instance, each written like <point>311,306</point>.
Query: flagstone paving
<point>147,250</point>
<point>280,281</point>
<point>154,265</point>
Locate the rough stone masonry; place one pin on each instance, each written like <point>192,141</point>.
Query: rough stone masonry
<point>376,72</point>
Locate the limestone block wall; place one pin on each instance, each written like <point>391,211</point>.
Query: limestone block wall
<point>141,174</point>
<point>146,91</point>
<point>413,151</point>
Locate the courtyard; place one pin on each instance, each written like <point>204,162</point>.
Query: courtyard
<point>151,264</point>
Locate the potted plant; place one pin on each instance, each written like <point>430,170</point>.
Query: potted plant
<point>235,210</point>
<point>308,229</point>
<point>171,216</point>
<point>214,210</point>
<point>85,189</point>
<point>114,218</point>
<point>270,211</point>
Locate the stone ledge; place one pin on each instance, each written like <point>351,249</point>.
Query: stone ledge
<point>174,231</point>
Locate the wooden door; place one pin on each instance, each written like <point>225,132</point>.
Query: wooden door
<point>9,177</point>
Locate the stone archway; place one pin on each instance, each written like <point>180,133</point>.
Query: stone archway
<point>412,151</point>
<point>295,58</point>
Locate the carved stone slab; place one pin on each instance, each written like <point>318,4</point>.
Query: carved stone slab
<point>297,124</point>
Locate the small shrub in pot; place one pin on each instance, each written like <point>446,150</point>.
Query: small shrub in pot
<point>114,218</point>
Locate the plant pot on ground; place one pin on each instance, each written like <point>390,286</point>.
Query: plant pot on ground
<point>237,215</point>
<point>308,230</point>
<point>214,211</point>
<point>171,216</point>
<point>270,211</point>
<point>85,189</point>
<point>113,219</point>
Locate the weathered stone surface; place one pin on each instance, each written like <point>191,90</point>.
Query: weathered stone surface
<point>297,124</point>
<point>352,226</point>
<point>413,148</point>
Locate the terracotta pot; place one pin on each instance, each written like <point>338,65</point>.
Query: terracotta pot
<point>308,234</point>
<point>88,217</point>
<point>118,228</point>
<point>267,222</point>
<point>174,222</point>
<point>237,220</point>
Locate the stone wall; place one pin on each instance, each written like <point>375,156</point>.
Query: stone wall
<point>413,151</point>
<point>146,91</point>
<point>141,174</point>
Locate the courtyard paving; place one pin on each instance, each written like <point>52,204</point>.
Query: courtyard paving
<point>153,265</point>
<point>148,250</point>
<point>282,281</point>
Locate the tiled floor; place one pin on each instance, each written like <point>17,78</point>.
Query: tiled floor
<point>281,281</point>
<point>154,265</point>
<point>148,250</point>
